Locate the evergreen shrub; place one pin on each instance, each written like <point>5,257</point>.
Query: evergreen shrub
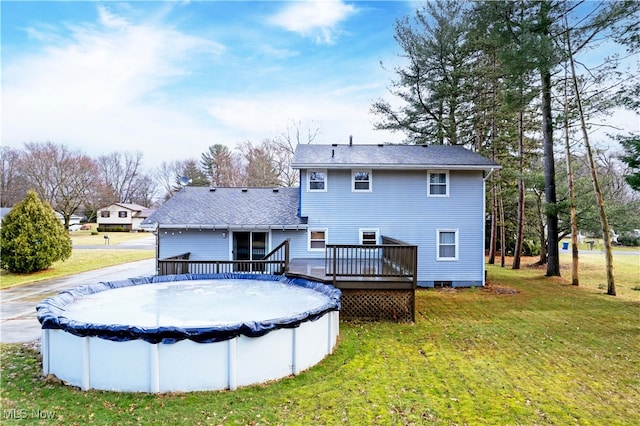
<point>32,238</point>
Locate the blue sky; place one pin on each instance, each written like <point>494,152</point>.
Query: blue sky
<point>171,78</point>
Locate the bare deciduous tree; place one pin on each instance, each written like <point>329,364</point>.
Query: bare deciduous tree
<point>12,182</point>
<point>59,176</point>
<point>260,165</point>
<point>284,146</point>
<point>120,171</point>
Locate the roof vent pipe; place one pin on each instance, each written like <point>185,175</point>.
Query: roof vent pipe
<point>350,140</point>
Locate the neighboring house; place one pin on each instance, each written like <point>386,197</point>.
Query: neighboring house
<point>122,215</point>
<point>73,220</point>
<point>429,196</point>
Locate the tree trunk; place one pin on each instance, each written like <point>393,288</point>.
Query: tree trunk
<point>501,224</point>
<point>553,256</point>
<point>541,229</point>
<point>517,251</point>
<point>494,223</point>
<point>572,205</point>
<point>604,222</point>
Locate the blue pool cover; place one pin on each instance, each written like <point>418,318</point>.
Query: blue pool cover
<point>51,312</point>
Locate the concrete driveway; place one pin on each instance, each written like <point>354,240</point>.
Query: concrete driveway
<point>18,321</point>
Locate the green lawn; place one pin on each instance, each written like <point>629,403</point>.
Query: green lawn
<point>85,238</point>
<point>83,259</point>
<point>525,350</point>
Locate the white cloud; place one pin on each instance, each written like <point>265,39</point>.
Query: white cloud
<point>336,116</point>
<point>317,18</point>
<point>102,85</point>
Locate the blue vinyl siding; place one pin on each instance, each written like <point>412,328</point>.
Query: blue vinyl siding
<point>399,207</point>
<point>210,245</point>
<point>203,245</point>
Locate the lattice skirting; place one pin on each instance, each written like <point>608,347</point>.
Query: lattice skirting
<point>394,305</point>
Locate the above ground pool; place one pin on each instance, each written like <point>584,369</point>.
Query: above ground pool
<point>187,332</point>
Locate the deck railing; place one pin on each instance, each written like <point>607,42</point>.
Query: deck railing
<point>392,258</point>
<point>275,262</point>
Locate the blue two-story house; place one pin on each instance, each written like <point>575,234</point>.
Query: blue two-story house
<point>429,196</point>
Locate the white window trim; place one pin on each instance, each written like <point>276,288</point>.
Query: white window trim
<point>353,180</point>
<point>326,238</point>
<point>326,178</point>
<point>457,245</point>
<point>447,180</point>
<point>361,232</point>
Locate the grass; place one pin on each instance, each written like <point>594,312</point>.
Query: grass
<point>85,238</point>
<point>525,350</point>
<point>592,274</point>
<point>83,259</point>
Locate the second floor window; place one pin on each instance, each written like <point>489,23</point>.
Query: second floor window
<point>122,214</point>
<point>361,180</point>
<point>317,180</point>
<point>105,213</point>
<point>438,184</point>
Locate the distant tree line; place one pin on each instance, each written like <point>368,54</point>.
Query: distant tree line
<point>73,182</point>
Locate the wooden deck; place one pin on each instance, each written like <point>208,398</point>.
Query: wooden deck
<point>314,269</point>
<point>377,281</point>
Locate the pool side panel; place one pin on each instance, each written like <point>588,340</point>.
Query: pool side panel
<point>188,366</point>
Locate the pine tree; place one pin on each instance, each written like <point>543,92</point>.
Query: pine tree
<point>32,238</point>
<point>432,84</point>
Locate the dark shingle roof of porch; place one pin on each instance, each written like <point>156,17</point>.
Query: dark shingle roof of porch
<point>230,208</point>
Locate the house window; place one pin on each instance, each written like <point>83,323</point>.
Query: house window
<point>368,237</point>
<point>105,213</point>
<point>361,180</point>
<point>318,180</point>
<point>317,239</point>
<point>438,184</point>
<point>122,213</point>
<point>447,244</point>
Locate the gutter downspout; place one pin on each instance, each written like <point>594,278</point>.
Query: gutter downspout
<point>491,170</point>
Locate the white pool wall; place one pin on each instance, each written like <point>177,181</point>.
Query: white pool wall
<point>139,366</point>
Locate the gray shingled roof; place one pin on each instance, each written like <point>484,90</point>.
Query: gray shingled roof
<point>229,208</point>
<point>389,156</point>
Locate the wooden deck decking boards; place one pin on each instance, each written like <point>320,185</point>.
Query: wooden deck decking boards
<point>314,269</point>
